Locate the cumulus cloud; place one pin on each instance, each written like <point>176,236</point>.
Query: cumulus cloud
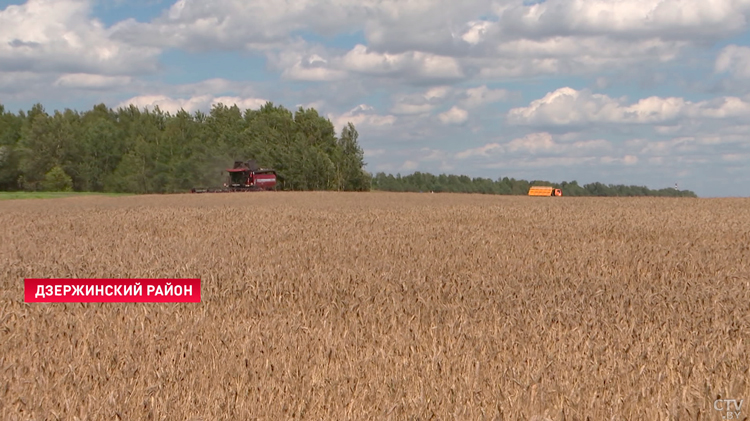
<point>301,60</point>
<point>305,62</point>
<point>420,103</point>
<point>476,31</point>
<point>231,24</point>
<point>628,18</point>
<point>481,95</point>
<point>214,86</point>
<point>570,107</point>
<point>410,108</point>
<point>534,143</point>
<point>454,116</point>
<point>242,103</point>
<point>261,24</point>
<point>483,151</point>
<point>430,154</point>
<point>191,104</point>
<point>410,64</point>
<point>734,60</point>
<point>362,116</point>
<point>91,81</point>
<point>445,40</point>
<point>543,162</point>
<point>428,100</point>
<point>61,37</point>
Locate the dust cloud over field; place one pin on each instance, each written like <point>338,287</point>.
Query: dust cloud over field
<point>376,305</point>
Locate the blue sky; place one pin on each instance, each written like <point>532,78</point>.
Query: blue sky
<point>647,92</point>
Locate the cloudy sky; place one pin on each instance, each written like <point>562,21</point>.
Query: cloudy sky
<point>647,92</point>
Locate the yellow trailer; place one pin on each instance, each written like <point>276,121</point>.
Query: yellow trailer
<point>544,191</point>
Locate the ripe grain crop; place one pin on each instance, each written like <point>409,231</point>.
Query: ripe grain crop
<point>380,306</point>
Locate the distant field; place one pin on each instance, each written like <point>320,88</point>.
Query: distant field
<point>50,195</point>
<point>381,305</point>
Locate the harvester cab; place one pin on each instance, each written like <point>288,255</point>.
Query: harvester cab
<point>246,176</point>
<point>250,176</point>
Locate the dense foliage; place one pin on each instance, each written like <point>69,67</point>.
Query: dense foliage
<point>463,184</point>
<point>130,150</point>
<point>141,151</point>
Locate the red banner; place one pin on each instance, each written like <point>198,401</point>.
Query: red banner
<point>112,290</point>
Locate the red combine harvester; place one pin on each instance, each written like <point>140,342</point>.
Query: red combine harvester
<point>245,177</point>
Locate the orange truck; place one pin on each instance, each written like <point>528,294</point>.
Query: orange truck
<point>544,191</point>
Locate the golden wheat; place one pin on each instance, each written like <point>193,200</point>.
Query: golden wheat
<point>381,306</point>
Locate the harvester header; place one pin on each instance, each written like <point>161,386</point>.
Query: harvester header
<point>544,191</point>
<point>245,177</point>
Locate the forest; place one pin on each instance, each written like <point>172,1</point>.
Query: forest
<point>425,182</point>
<point>141,151</point>
<point>130,150</point>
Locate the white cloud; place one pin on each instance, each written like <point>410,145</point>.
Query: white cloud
<point>482,95</point>
<point>534,143</point>
<point>425,102</point>
<point>362,116</point>
<point>409,64</point>
<point>430,154</point>
<point>61,37</point>
<point>192,104</point>
<point>437,92</point>
<point>300,60</point>
<point>305,62</point>
<point>420,103</point>
<point>300,72</point>
<point>655,18</point>
<point>91,81</point>
<point>374,152</point>
<point>166,103</point>
<point>735,60</point>
<point>476,31</point>
<point>443,39</point>
<point>317,105</point>
<point>242,103</point>
<point>625,160</point>
<point>484,151</point>
<point>209,87</point>
<point>543,162</point>
<point>567,106</point>
<point>454,116</point>
<point>409,165</point>
<point>405,108</point>
<point>427,40</point>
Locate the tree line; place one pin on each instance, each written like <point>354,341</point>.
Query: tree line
<point>425,182</point>
<point>150,151</point>
<point>131,150</point>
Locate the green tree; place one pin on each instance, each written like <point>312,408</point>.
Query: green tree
<point>10,133</point>
<point>351,167</point>
<point>57,180</point>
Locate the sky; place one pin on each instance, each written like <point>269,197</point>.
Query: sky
<point>644,92</point>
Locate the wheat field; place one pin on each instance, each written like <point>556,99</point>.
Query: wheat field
<point>380,306</point>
